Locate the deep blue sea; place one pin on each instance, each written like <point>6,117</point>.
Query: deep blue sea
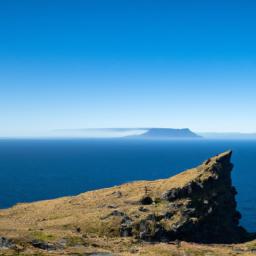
<point>33,170</point>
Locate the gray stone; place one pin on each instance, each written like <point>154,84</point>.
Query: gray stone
<point>6,243</point>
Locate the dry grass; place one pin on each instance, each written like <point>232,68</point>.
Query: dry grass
<point>85,220</point>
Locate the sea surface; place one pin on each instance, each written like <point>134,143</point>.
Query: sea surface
<point>33,170</point>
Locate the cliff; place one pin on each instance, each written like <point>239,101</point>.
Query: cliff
<point>200,206</point>
<point>197,205</point>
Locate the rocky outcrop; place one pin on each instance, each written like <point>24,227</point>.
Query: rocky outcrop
<point>203,209</point>
<point>197,205</point>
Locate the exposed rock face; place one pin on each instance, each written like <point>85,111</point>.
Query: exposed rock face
<point>197,205</point>
<point>202,210</point>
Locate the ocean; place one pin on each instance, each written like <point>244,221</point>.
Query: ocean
<point>32,170</point>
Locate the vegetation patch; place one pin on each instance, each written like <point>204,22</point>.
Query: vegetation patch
<point>75,241</point>
<point>42,236</point>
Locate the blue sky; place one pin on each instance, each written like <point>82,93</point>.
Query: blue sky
<point>96,63</point>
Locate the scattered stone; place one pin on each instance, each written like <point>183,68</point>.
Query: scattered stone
<point>125,231</point>
<point>6,243</point>
<point>112,206</point>
<point>147,200</point>
<point>168,215</point>
<point>63,242</point>
<point>117,213</point>
<point>101,254</point>
<point>143,209</point>
<point>126,220</point>
<point>45,245</point>
<point>117,193</point>
<point>126,227</point>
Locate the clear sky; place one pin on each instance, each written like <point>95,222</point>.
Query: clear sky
<point>127,63</point>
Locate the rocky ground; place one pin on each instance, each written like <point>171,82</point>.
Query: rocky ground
<point>193,213</point>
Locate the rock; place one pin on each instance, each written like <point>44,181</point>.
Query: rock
<point>6,243</point>
<point>112,206</point>
<point>145,230</point>
<point>143,209</point>
<point>126,227</point>
<point>168,215</point>
<point>202,210</point>
<point>63,242</point>
<point>147,200</point>
<point>125,231</point>
<point>117,213</point>
<point>46,245</point>
<point>101,254</point>
<point>118,194</point>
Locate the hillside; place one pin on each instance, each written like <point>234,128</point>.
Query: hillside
<point>197,207</point>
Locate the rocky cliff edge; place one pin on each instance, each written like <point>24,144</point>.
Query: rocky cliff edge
<point>197,205</point>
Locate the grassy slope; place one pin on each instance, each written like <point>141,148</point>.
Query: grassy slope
<point>86,224</point>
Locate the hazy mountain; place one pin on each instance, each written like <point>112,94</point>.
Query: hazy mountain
<point>168,133</point>
<point>164,133</point>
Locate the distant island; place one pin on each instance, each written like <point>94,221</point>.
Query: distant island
<point>145,133</point>
<point>167,133</point>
